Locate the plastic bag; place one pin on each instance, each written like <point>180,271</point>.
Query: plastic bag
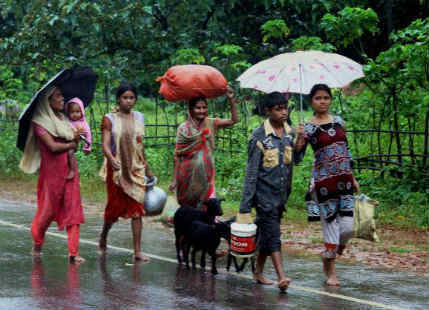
<point>185,82</point>
<point>364,223</point>
<point>167,216</point>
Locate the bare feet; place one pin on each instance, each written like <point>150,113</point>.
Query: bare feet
<point>283,284</point>
<point>330,271</point>
<point>77,259</point>
<point>70,175</point>
<point>140,257</point>
<point>260,279</point>
<point>36,251</point>
<point>333,281</point>
<point>221,253</point>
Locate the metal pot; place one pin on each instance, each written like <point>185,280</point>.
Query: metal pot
<point>155,199</point>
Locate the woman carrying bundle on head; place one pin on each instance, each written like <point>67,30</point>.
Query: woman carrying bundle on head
<point>194,174</point>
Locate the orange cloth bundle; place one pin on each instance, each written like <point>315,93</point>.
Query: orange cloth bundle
<point>185,82</point>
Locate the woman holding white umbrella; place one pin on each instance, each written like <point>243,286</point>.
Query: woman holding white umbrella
<point>330,198</point>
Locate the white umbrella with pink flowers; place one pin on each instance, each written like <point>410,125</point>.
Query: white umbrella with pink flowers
<point>298,72</point>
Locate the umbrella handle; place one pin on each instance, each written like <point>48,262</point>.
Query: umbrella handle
<point>82,137</point>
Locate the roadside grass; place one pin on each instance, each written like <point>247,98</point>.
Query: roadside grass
<point>401,250</point>
<point>295,215</point>
<point>18,186</point>
<point>317,240</point>
<point>93,191</point>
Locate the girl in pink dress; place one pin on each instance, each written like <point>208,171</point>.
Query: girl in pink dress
<point>58,198</point>
<point>75,112</point>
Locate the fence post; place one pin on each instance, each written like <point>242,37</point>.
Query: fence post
<point>156,117</point>
<point>396,126</point>
<point>357,150</point>
<point>107,95</point>
<point>411,142</point>
<point>425,150</point>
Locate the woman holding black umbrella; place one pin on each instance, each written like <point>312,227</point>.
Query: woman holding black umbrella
<point>49,139</point>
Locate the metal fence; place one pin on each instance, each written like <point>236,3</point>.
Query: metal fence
<point>379,149</point>
<point>372,149</point>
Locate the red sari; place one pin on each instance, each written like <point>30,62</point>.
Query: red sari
<point>195,163</point>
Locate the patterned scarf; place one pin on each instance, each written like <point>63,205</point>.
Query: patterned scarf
<point>195,172</point>
<point>128,139</point>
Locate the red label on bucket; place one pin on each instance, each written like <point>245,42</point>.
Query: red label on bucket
<point>243,244</point>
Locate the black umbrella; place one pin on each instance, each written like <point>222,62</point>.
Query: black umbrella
<point>76,82</point>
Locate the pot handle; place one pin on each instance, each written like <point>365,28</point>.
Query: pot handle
<point>152,181</point>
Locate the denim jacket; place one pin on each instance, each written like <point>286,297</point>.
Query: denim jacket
<point>269,169</point>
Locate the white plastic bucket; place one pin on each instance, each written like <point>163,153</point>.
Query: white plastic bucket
<point>243,239</point>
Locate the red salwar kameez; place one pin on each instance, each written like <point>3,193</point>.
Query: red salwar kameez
<point>58,199</point>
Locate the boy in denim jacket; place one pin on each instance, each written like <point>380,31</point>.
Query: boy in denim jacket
<point>268,183</point>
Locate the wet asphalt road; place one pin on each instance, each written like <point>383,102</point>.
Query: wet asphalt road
<point>116,283</point>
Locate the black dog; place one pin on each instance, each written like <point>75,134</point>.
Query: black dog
<point>205,237</point>
<point>184,217</point>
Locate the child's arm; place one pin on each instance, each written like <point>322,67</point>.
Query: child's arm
<point>249,188</point>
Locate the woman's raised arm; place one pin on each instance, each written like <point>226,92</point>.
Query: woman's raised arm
<point>222,123</point>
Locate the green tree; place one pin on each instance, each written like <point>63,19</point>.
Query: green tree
<point>399,77</point>
<point>312,43</point>
<point>187,56</point>
<point>275,29</point>
<point>349,26</point>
